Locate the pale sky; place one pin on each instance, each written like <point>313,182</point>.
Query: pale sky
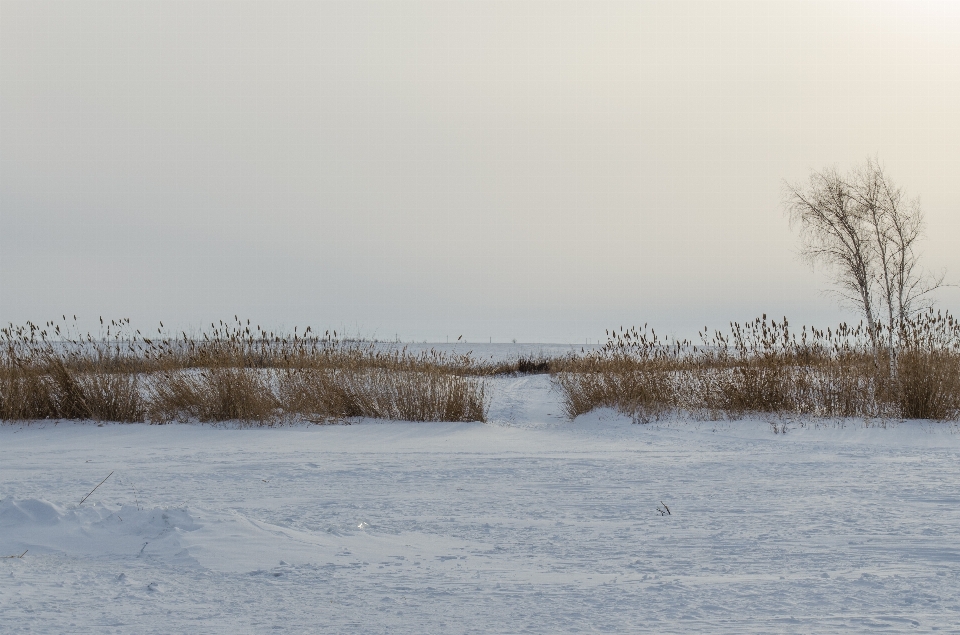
<point>529,170</point>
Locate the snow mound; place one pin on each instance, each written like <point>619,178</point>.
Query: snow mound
<point>223,540</point>
<point>28,512</point>
<point>92,530</point>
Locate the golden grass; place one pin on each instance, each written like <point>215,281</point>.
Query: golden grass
<point>211,394</point>
<point>409,395</point>
<point>233,372</point>
<point>764,368</point>
<point>228,373</point>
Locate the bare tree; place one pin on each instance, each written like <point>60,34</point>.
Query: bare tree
<point>864,228</point>
<point>903,226</point>
<point>834,232</point>
<point>895,224</point>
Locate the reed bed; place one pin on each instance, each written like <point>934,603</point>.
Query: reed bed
<point>235,371</point>
<point>230,372</point>
<point>763,367</point>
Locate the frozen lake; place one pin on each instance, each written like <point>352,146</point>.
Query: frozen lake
<point>529,523</point>
<point>497,352</point>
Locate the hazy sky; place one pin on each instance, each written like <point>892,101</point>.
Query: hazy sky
<point>529,170</point>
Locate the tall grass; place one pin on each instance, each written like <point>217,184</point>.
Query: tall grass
<point>764,367</point>
<point>237,371</point>
<point>414,395</point>
<point>42,379</point>
<point>230,372</point>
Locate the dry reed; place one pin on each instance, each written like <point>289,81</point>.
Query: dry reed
<point>764,367</point>
<point>235,372</point>
<point>231,372</point>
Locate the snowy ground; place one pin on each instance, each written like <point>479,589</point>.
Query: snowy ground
<point>526,524</point>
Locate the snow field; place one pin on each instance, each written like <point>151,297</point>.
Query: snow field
<point>526,524</point>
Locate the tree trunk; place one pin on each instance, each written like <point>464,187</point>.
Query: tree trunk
<point>871,326</point>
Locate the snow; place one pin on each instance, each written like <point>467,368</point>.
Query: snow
<point>529,523</point>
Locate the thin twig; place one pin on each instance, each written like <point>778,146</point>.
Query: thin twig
<point>20,556</point>
<point>94,489</point>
